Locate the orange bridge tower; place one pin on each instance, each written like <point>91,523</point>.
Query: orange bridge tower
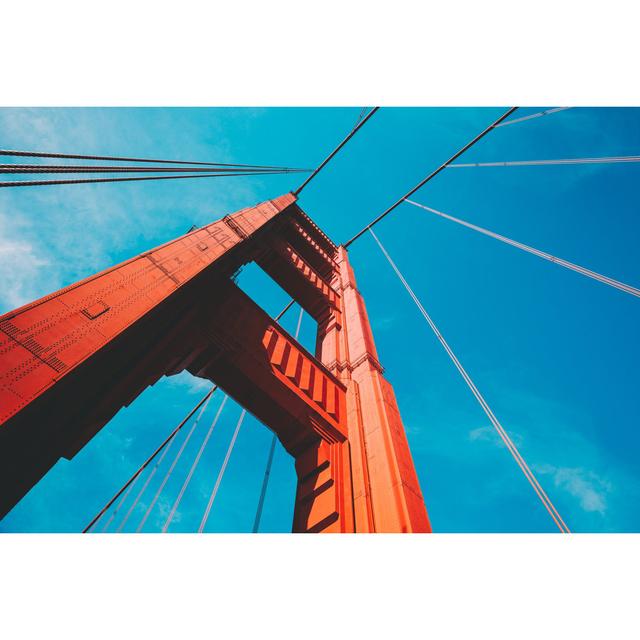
<point>71,360</point>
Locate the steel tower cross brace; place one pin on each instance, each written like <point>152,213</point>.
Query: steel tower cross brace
<point>71,360</point>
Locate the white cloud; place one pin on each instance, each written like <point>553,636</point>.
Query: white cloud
<point>163,508</point>
<point>489,434</point>
<point>22,266</point>
<point>552,439</point>
<point>53,236</point>
<point>483,433</point>
<point>18,268</point>
<point>590,489</point>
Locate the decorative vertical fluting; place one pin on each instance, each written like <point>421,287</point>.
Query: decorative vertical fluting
<point>386,492</point>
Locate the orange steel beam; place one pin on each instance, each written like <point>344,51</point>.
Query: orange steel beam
<point>71,360</point>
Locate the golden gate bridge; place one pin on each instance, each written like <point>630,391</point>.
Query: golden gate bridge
<point>70,360</point>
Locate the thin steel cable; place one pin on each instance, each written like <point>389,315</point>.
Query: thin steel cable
<point>185,484</point>
<point>98,520</point>
<point>544,498</point>
<point>289,305</point>
<point>265,482</point>
<point>145,485</point>
<point>299,323</point>
<point>42,183</point>
<point>272,449</point>
<point>164,443</point>
<point>536,252</point>
<point>118,506</point>
<point>361,115</point>
<point>21,169</point>
<point>433,174</point>
<point>223,468</point>
<point>42,154</point>
<point>541,163</point>
<point>153,471</point>
<point>539,114</point>
<point>144,465</point>
<point>353,131</point>
<point>147,482</point>
<point>167,475</point>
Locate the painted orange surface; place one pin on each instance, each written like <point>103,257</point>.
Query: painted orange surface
<point>71,360</point>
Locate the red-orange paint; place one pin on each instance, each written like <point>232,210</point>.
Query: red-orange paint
<point>71,360</point>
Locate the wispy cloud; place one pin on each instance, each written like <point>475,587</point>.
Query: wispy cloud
<point>589,484</point>
<point>589,488</point>
<point>21,266</point>
<point>162,511</point>
<point>553,438</point>
<point>53,236</point>
<point>489,434</point>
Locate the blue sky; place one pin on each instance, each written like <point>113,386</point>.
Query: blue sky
<point>555,354</point>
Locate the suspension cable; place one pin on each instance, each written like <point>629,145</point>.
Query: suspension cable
<point>432,175</point>
<point>167,475</point>
<point>299,323</point>
<point>155,468</point>
<point>164,443</point>
<point>489,413</point>
<point>144,465</point>
<point>289,305</point>
<point>361,115</point>
<point>223,468</point>
<point>541,254</point>
<point>185,484</point>
<point>352,133</point>
<point>75,168</point>
<point>41,183</point>
<point>265,482</point>
<point>272,449</point>
<point>540,163</point>
<point>41,154</point>
<point>147,482</point>
<point>125,495</point>
<point>539,114</point>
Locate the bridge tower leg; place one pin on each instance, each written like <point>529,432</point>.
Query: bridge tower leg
<point>387,495</point>
<point>71,360</point>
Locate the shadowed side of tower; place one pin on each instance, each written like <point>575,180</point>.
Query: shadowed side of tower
<point>71,360</point>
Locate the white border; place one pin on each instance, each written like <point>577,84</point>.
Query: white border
<point>296,586</point>
<point>346,52</point>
